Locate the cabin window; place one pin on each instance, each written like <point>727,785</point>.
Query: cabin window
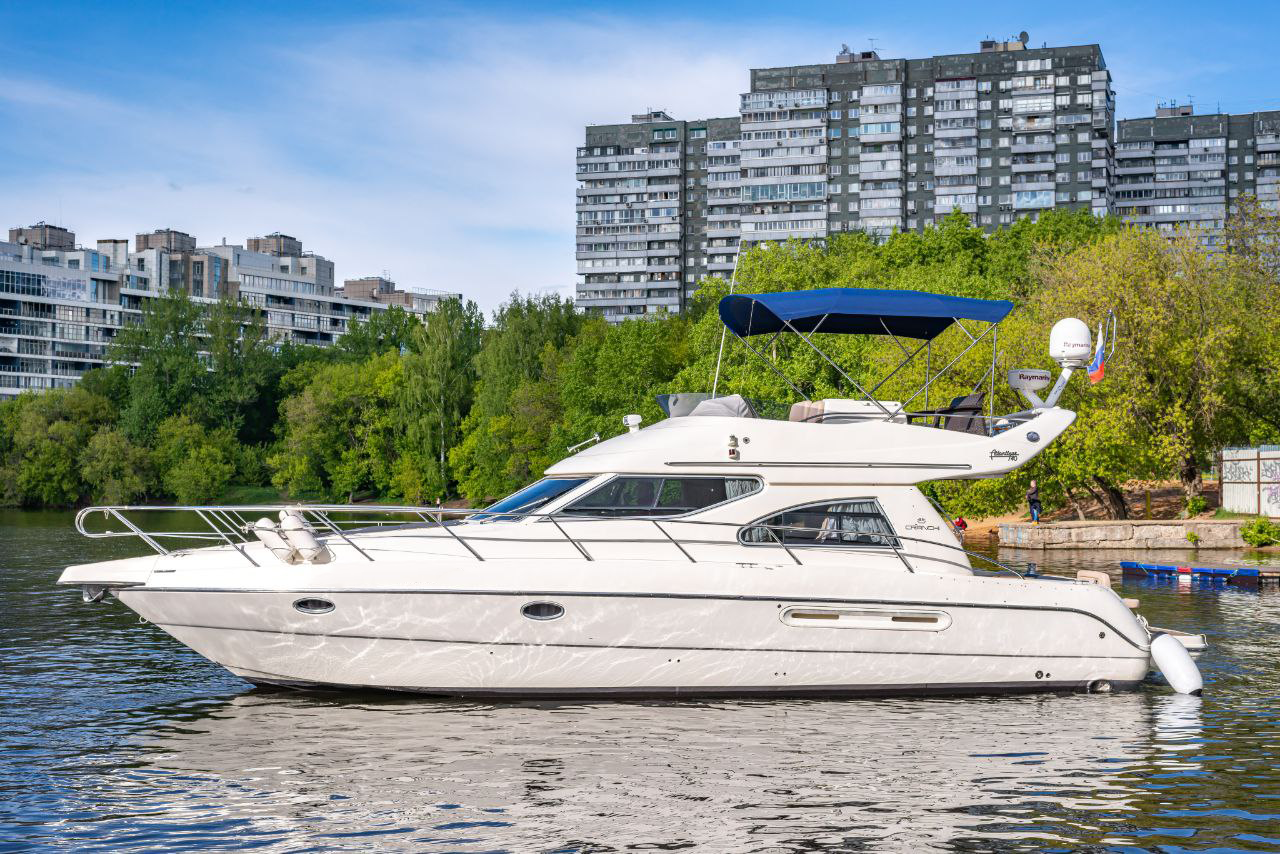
<point>660,496</point>
<point>854,522</point>
<point>529,500</point>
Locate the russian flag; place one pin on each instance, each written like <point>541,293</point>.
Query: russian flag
<point>1099,364</point>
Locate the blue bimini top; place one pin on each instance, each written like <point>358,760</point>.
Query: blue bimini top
<point>855,311</point>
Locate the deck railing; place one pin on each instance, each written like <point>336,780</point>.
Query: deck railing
<point>228,526</point>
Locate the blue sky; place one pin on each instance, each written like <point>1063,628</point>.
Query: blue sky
<point>435,141</point>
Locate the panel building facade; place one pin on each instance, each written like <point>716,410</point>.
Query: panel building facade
<point>1178,170</point>
<point>657,206</point>
<point>859,144</point>
<point>61,305</point>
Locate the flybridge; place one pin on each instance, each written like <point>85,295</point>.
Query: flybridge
<point>913,315</point>
<point>912,319</point>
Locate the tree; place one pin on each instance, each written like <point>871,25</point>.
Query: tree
<point>41,438</point>
<point>338,428</point>
<point>195,465</point>
<point>440,375</point>
<point>169,374</point>
<point>115,470</point>
<point>505,438</point>
<point>392,329</point>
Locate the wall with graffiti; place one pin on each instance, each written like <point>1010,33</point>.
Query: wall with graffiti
<point>1251,480</point>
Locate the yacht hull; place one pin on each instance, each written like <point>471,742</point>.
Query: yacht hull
<point>479,643</point>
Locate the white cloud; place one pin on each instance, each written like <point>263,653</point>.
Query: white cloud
<point>440,149</point>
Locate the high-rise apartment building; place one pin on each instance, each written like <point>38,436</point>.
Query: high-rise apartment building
<point>62,305</point>
<point>859,144</point>
<point>871,144</point>
<point>1178,170</point>
<point>651,195</point>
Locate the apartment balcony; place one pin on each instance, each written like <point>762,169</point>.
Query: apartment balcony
<point>1099,163</point>
<point>1130,169</point>
<point>872,100</point>
<point>938,115</point>
<point>1045,89</point>
<point>786,124</point>
<point>1025,186</point>
<point>881,175</point>
<point>939,208</point>
<point>1046,166</point>
<point>1034,148</point>
<point>955,170</point>
<point>881,194</point>
<point>783,160</point>
<point>880,137</point>
<point>953,133</point>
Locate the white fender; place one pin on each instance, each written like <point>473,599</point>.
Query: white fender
<point>1174,662</point>
<point>295,531</point>
<point>278,545</point>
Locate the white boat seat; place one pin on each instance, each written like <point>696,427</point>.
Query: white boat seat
<point>838,410</point>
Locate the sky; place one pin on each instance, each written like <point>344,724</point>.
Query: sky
<point>435,141</point>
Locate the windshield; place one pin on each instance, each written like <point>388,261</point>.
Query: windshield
<point>529,499</point>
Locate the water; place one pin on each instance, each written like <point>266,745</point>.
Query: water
<point>115,738</point>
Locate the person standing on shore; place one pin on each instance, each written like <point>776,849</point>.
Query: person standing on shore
<point>1033,502</point>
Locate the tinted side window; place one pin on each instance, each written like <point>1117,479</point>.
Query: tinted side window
<point>660,496</point>
<point>836,523</point>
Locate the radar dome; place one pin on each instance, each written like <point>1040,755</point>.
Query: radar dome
<point>1069,342</point>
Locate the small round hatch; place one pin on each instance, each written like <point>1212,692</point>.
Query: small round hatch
<point>314,606</point>
<point>543,611</point>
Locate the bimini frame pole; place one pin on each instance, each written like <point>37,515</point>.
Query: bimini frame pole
<point>733,281</point>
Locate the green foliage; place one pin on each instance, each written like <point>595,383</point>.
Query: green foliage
<point>115,470</point>
<point>1196,505</point>
<point>1260,532</point>
<point>390,330</point>
<point>201,403</point>
<point>436,395</point>
<point>338,429</point>
<point>1193,538</point>
<point>194,464</point>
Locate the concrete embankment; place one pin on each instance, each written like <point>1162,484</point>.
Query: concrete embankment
<point>1138,534</point>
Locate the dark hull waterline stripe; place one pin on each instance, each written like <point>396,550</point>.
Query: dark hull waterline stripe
<point>445,642</point>
<point>614,595</point>
<point>945,689</point>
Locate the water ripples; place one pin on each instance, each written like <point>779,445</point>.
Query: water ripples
<point>116,738</point>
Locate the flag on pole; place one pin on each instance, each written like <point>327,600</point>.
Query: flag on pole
<point>1099,364</point>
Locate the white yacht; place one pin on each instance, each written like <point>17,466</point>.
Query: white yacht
<point>715,552</point>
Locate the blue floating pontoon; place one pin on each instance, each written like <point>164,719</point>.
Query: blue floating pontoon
<point>1131,567</point>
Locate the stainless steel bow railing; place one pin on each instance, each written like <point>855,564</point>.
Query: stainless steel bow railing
<point>228,526</point>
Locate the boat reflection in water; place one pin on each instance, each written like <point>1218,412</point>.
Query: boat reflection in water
<point>812,775</point>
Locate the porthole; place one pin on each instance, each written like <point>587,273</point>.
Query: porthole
<point>314,606</point>
<point>543,611</point>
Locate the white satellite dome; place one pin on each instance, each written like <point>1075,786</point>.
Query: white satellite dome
<point>1069,342</point>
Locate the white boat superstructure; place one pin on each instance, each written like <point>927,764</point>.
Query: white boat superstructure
<point>711,553</point>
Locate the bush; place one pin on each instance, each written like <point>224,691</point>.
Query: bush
<point>1196,505</point>
<point>1193,538</point>
<point>1260,532</point>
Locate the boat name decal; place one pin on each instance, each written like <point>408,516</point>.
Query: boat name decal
<point>921,524</point>
<point>1012,456</point>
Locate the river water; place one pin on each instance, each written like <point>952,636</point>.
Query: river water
<point>115,738</point>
